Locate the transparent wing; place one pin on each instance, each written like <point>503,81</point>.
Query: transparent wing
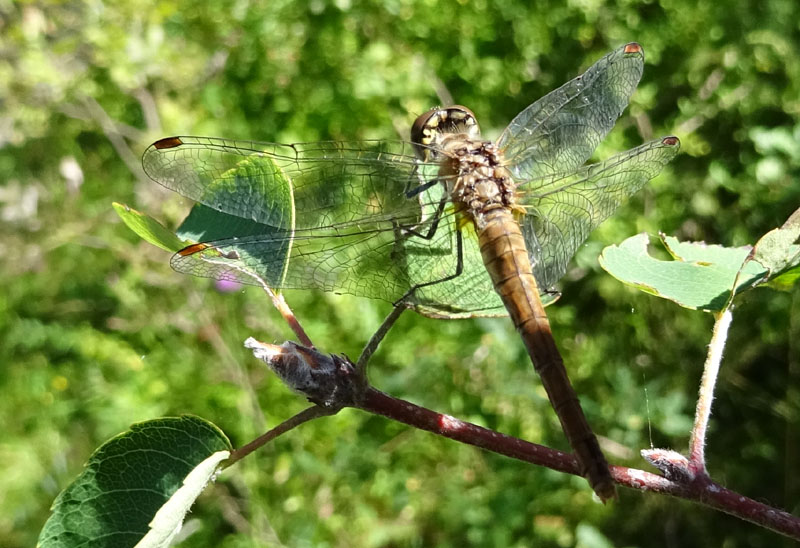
<point>562,210</point>
<point>339,216</point>
<point>291,186</point>
<point>559,132</point>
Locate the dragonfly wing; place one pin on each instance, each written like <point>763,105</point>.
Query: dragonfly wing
<point>304,185</point>
<point>559,132</point>
<point>365,260</point>
<point>468,295</point>
<point>332,216</point>
<point>359,262</point>
<point>562,210</point>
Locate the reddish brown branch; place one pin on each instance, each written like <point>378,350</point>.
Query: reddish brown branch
<point>333,382</point>
<point>450,427</point>
<point>303,416</point>
<point>699,489</point>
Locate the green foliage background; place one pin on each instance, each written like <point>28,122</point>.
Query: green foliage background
<point>97,332</point>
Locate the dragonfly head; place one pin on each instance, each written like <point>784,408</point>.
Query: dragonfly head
<point>429,128</point>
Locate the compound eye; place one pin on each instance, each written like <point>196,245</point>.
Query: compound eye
<point>429,127</point>
<point>460,114</point>
<point>422,132</point>
<point>460,119</point>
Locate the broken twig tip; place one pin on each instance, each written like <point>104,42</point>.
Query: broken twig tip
<point>672,464</point>
<point>263,351</point>
<point>328,380</point>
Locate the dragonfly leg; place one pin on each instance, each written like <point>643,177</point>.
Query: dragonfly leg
<point>405,299</point>
<point>421,188</point>
<point>377,337</point>
<point>433,226</point>
<point>401,304</point>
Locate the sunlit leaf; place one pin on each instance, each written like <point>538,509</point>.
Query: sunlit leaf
<point>139,483</point>
<point>148,228</point>
<point>700,277</point>
<point>778,252</point>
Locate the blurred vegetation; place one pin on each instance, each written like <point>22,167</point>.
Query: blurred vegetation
<point>97,332</point>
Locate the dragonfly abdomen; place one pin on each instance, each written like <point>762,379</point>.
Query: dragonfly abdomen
<point>506,259</point>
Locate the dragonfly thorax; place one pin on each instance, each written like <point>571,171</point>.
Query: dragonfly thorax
<point>480,181</point>
<point>473,170</point>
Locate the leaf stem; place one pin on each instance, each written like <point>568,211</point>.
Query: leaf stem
<point>706,393</point>
<point>305,415</point>
<point>280,305</point>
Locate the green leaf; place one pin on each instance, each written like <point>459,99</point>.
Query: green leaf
<point>700,277</point>
<point>785,281</point>
<point>257,196</point>
<point>137,486</point>
<point>169,518</point>
<point>243,244</point>
<point>266,216</point>
<point>256,188</point>
<point>148,228</point>
<point>778,253</point>
<point>205,224</point>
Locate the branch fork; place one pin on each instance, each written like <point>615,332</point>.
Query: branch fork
<point>332,382</point>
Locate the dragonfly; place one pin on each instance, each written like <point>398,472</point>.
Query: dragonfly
<point>447,224</point>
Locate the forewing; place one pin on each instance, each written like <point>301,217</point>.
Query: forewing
<point>304,185</point>
<point>338,217</point>
<point>559,132</point>
<point>316,215</point>
<point>562,210</point>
